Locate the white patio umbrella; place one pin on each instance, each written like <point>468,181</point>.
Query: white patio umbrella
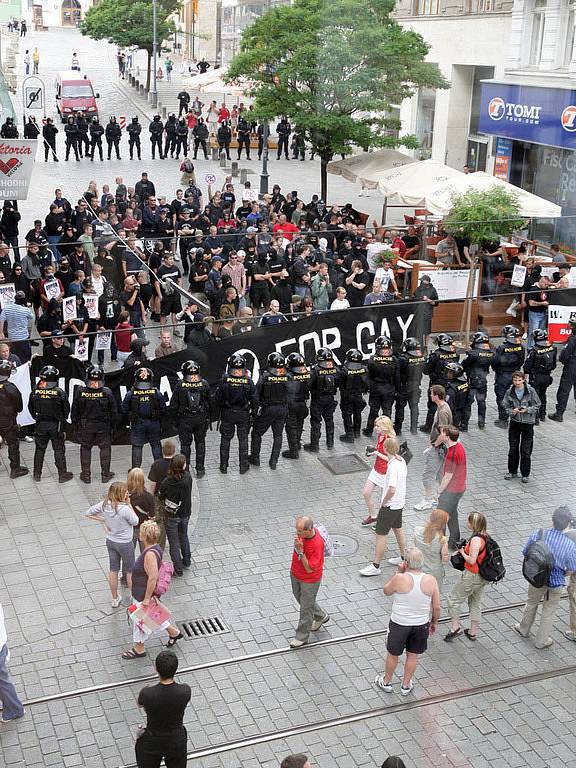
<point>227,89</point>
<point>439,198</point>
<point>368,167</point>
<point>409,185</point>
<point>197,81</point>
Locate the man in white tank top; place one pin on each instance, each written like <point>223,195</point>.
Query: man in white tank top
<point>415,614</point>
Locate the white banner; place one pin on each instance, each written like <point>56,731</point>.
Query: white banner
<point>451,283</point>
<point>16,163</point>
<point>20,377</point>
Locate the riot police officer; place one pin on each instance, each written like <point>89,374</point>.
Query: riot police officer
<point>539,364</point>
<point>190,409</point>
<point>568,378</point>
<point>298,394</point>
<point>237,401</point>
<point>145,406</point>
<point>181,138</point>
<point>283,129</point>
<point>9,130</point>
<point>170,130</point>
<point>71,132</point>
<point>509,357</point>
<point>93,414</point>
<point>411,368</point>
<point>49,132</point>
<point>10,407</point>
<point>434,368</point>
<point>156,129</point>
<point>49,406</point>
<point>134,131</point>
<point>477,364</point>
<point>383,381</point>
<point>324,384</point>
<point>113,136</point>
<point>353,384</point>
<point>96,133</point>
<point>458,395</point>
<point>272,394</point>
<point>83,141</point>
<point>243,136</point>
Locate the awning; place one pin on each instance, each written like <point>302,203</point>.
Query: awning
<point>409,185</point>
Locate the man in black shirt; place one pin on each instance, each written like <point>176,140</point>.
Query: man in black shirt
<point>164,703</point>
<point>159,469</point>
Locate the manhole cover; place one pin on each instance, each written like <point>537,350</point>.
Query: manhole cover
<point>344,465</point>
<point>193,628</point>
<point>343,545</point>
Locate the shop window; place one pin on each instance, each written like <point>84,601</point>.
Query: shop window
<point>537,35</point>
<point>425,121</point>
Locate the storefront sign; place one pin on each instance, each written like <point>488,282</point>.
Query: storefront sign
<point>559,315</point>
<point>16,163</point>
<point>503,159</point>
<point>539,115</point>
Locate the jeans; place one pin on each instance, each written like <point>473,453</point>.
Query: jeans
<point>177,535</point>
<point>535,320</point>
<point>53,239</point>
<point>448,501</point>
<point>302,291</point>
<point>12,706</point>
<point>521,441</point>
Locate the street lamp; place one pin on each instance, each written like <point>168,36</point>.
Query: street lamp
<point>154,99</point>
<point>264,172</point>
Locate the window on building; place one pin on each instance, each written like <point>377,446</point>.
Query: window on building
<point>425,121</point>
<point>426,7</point>
<point>569,39</point>
<point>537,35</point>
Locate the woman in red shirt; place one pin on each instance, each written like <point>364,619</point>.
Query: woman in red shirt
<point>377,477</point>
<point>471,584</point>
<point>223,114</point>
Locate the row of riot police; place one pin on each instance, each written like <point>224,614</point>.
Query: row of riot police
<point>83,137</point>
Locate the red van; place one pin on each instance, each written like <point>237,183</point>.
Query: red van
<point>74,93</point>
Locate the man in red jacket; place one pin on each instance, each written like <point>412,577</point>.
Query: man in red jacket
<point>306,576</point>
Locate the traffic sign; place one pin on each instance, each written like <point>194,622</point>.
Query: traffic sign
<point>122,121</point>
<point>33,97</point>
<point>210,179</point>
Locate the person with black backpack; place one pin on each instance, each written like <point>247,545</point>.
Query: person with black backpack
<point>548,554</point>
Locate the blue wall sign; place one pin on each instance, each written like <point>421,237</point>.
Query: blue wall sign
<point>539,115</point>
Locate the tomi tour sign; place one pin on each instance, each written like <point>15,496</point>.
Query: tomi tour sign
<point>539,115</point>
<point>16,163</point>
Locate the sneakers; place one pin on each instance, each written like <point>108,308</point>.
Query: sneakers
<point>368,521</point>
<point>117,601</point>
<point>517,628</point>
<point>425,504</point>
<point>547,643</point>
<point>370,570</point>
<point>297,643</point>
<point>396,560</point>
<point>408,690</point>
<point>28,439</point>
<point>317,624</point>
<point>388,687</point>
<point>9,720</point>
<point>510,475</point>
<point>524,480</point>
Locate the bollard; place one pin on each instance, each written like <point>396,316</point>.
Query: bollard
<point>234,168</point>
<point>243,175</point>
<point>214,153</point>
<point>164,112</point>
<point>223,160</point>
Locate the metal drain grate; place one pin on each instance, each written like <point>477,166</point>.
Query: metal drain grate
<point>213,625</point>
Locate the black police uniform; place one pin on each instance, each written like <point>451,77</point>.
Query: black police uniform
<point>353,385</point>
<point>260,134</point>
<point>93,414</point>
<point>144,407</point>
<point>49,132</point>
<point>411,369</point>
<point>434,368</point>
<point>237,400</point>
<point>384,383</point>
<point>477,364</point>
<point>200,133</point>
<point>83,141</point>
<point>134,130</point>
<point>170,140</point>
<point>243,135</point>
<point>298,394</point>
<point>71,131</point>
<point>283,130</point>
<point>96,133</point>
<point>324,384</point>
<point>156,129</point>
<point>568,377</point>
<point>272,394</point>
<point>50,409</point>
<point>9,130</point>
<point>539,364</point>
<point>10,406</point>
<point>190,409</point>
<point>113,136</point>
<point>224,137</point>
<point>508,357</point>
<point>459,399</point>
<point>181,138</point>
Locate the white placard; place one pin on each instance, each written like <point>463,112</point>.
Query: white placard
<point>548,271</point>
<point>69,308</point>
<point>451,283</point>
<point>572,277</point>
<point>209,179</point>
<point>518,275</point>
<point>7,294</point>
<point>52,289</point>
<point>81,349</point>
<point>91,304</point>
<point>103,340</point>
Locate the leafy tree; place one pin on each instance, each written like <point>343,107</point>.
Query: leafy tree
<point>486,215</point>
<point>334,69</point>
<point>129,22</point>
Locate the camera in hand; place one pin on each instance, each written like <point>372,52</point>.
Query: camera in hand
<point>370,449</point>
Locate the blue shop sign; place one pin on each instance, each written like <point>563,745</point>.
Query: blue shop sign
<point>539,115</point>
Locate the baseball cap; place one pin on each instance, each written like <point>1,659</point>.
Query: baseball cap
<point>57,333</point>
<point>251,229</point>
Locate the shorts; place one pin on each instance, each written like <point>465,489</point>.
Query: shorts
<point>170,304</point>
<point>120,552</point>
<point>411,639</point>
<point>377,479</point>
<point>388,518</point>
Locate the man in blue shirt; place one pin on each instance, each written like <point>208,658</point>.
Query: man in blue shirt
<point>17,318</point>
<point>563,549</point>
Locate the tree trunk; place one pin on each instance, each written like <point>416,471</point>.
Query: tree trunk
<point>148,71</point>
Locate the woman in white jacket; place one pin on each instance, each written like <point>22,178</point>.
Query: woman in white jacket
<point>118,519</point>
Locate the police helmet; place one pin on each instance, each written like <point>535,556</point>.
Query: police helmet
<point>455,369</point>
<point>444,342</point>
<point>295,360</point>
<point>134,120</point>
<point>49,374</point>
<point>96,373</point>
<point>510,332</point>
<point>5,370</point>
<point>325,358</point>
<point>275,360</point>
<point>540,337</point>
<point>143,378</point>
<point>236,361</point>
<point>383,342</point>
<point>95,119</point>
<point>354,360</point>
<point>113,119</point>
<point>411,346</point>
<point>189,368</point>
<point>479,338</point>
